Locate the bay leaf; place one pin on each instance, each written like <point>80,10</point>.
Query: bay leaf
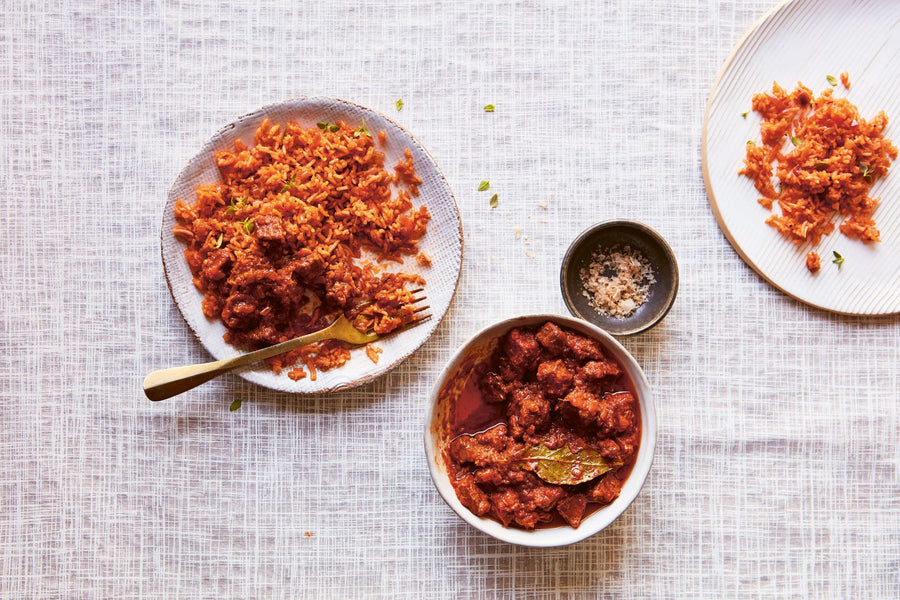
<point>564,467</point>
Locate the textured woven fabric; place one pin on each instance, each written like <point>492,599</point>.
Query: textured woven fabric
<point>777,472</point>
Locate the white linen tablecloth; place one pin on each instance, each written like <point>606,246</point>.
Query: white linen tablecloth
<point>776,472</point>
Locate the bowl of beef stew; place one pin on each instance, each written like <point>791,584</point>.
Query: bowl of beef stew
<point>541,430</point>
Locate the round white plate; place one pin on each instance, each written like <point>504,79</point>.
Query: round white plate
<point>807,40</point>
<point>443,242</point>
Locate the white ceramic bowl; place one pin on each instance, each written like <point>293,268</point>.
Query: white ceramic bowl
<point>437,438</point>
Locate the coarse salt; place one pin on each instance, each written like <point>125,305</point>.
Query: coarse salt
<point>617,281</point>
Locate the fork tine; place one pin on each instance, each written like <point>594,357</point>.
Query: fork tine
<point>417,321</point>
<point>417,290</point>
<point>420,309</point>
<point>362,305</point>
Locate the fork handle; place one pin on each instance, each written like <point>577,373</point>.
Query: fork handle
<point>166,383</point>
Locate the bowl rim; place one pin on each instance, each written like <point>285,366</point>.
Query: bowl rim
<point>628,223</point>
<point>600,519</point>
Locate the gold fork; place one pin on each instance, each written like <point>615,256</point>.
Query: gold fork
<point>166,383</point>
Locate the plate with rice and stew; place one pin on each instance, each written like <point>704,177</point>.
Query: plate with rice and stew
<point>300,212</point>
<point>799,148</point>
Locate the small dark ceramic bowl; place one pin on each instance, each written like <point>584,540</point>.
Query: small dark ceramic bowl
<point>621,233</point>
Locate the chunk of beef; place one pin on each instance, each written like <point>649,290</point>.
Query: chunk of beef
<point>522,349</point>
<point>504,504</point>
<point>528,410</point>
<point>493,389</point>
<point>609,448</point>
<point>552,339</point>
<point>508,371</point>
<point>308,267</point>
<point>610,413</point>
<point>580,407</point>
<point>555,377</point>
<point>628,444</point>
<point>501,474</point>
<point>572,509</point>
<point>616,413</point>
<point>559,435</point>
<point>214,265</point>
<point>240,311</point>
<point>497,437</point>
<point>596,370</point>
<point>471,496</point>
<point>268,228</point>
<point>542,496</point>
<point>583,348</point>
<point>481,449</point>
<point>527,504</point>
<point>339,293</point>
<point>606,489</point>
<point>620,448</point>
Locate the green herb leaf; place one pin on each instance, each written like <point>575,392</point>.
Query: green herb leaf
<point>218,243</point>
<point>235,205</point>
<point>361,130</point>
<point>289,184</point>
<point>399,104</point>
<point>322,125</point>
<point>248,225</point>
<point>236,404</point>
<point>745,113</point>
<point>494,202</point>
<point>484,185</point>
<point>832,80</point>
<point>821,165</point>
<point>838,259</point>
<point>564,467</point>
<point>489,108</point>
<point>796,141</point>
<point>333,127</point>
<point>866,172</point>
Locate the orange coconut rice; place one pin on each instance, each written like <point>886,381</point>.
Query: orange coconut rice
<point>818,160</point>
<point>277,248</point>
